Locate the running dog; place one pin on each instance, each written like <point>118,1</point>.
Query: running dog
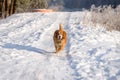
<point>60,38</point>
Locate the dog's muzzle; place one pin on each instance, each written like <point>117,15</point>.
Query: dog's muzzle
<point>59,37</point>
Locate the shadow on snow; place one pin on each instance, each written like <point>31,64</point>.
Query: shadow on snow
<point>23,47</point>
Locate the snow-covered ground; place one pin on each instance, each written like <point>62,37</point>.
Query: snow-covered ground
<point>27,49</point>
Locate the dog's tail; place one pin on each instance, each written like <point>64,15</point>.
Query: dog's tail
<point>60,27</point>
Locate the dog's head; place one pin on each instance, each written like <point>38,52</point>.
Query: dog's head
<point>60,33</point>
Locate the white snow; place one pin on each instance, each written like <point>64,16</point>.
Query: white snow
<point>27,49</point>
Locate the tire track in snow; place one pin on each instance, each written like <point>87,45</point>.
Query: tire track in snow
<point>70,25</point>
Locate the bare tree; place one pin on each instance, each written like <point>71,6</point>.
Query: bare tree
<point>8,7</point>
<point>3,9</point>
<point>12,7</point>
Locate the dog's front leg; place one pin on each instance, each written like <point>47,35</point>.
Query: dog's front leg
<point>56,48</point>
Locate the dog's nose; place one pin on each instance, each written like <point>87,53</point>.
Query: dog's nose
<point>59,37</point>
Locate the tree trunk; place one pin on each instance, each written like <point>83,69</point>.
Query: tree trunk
<point>11,7</point>
<point>3,9</point>
<point>14,6</point>
<point>8,7</point>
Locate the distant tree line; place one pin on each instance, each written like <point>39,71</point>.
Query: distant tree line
<point>88,3</point>
<point>8,7</point>
<point>80,4</point>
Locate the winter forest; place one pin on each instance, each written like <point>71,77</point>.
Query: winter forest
<point>8,7</point>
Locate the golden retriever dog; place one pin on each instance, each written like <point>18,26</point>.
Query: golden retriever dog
<point>60,39</point>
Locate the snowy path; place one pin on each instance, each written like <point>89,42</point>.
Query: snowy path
<point>27,50</point>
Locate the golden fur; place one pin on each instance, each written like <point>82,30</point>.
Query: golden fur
<point>60,39</point>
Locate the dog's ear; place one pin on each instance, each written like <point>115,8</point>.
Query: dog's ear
<point>64,35</point>
<point>55,34</point>
<point>60,27</point>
